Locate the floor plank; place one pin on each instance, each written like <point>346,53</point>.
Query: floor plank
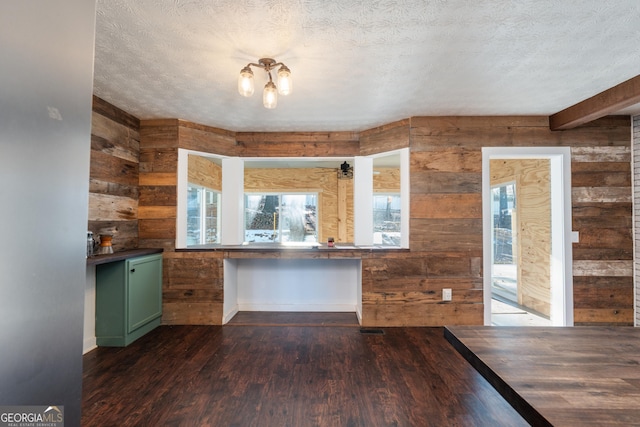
<point>581,376</point>
<point>288,376</point>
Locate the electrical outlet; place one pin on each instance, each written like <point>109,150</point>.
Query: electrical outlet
<point>446,294</point>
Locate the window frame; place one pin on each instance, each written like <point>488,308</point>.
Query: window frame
<point>203,192</point>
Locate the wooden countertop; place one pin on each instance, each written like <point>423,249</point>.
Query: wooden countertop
<point>271,247</point>
<point>122,255</point>
<point>293,252</point>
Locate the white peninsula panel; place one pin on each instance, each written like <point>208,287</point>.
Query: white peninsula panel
<point>297,284</point>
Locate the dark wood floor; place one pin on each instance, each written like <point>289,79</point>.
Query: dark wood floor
<point>288,376</point>
<point>287,318</point>
<point>582,376</point>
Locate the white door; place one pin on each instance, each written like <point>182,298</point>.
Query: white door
<point>561,277</point>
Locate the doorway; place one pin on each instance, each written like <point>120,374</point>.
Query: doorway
<point>527,239</point>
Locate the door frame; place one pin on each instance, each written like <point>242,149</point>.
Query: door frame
<point>562,236</point>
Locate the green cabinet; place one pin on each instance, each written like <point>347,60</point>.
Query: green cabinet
<point>128,299</point>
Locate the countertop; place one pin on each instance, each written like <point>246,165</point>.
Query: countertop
<point>122,255</point>
<point>289,247</point>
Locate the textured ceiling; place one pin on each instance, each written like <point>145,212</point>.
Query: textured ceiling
<point>357,64</point>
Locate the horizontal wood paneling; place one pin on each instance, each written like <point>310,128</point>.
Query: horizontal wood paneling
<point>612,268</point>
<point>458,160</point>
<point>105,207</point>
<point>158,195</point>
<point>207,139</point>
<point>157,228</point>
<point>446,205</point>
<point>581,253</point>
<point>115,114</point>
<point>97,186</point>
<point>193,288</point>
<point>602,214</point>
<point>602,292</point>
<point>191,313</point>
<point>158,160</point>
<point>447,235</point>
<point>392,136</point>
<point>604,316</point>
<point>446,211</point>
<point>113,175</point>
<point>445,182</point>
<point>125,231</point>
<point>158,212</point>
<point>410,314</point>
<point>158,178</point>
<point>298,144</point>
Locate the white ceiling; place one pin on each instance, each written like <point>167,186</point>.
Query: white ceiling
<point>357,64</point>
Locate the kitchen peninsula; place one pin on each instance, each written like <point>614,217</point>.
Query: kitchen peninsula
<point>300,277</point>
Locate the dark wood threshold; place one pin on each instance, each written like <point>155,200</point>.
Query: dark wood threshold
<point>523,407</point>
<point>561,376</point>
<point>279,318</point>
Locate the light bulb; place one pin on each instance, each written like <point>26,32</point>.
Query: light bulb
<point>285,84</point>
<point>245,82</point>
<point>270,96</point>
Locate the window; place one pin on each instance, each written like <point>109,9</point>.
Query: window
<point>231,221</point>
<point>281,217</point>
<point>503,204</point>
<point>203,221</point>
<point>386,219</point>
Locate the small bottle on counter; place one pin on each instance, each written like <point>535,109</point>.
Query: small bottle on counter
<point>90,244</point>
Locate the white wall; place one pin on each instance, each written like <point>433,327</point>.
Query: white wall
<point>45,139</point>
<point>230,304</point>
<point>297,284</point>
<point>635,152</point>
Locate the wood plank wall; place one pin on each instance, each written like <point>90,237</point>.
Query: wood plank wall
<point>192,282</point>
<point>113,176</point>
<point>446,224</point>
<point>446,211</point>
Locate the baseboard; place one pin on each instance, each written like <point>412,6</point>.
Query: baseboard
<point>88,345</point>
<point>228,316</point>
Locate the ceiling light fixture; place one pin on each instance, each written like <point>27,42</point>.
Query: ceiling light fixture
<point>270,94</point>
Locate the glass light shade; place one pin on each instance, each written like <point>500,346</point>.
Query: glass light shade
<point>245,82</point>
<point>285,85</point>
<point>270,95</point>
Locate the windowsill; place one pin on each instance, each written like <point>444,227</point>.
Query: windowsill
<point>282,247</point>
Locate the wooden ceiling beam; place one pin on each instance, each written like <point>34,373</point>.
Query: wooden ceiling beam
<point>611,100</point>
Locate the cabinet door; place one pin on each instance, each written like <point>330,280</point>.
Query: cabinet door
<point>144,290</point>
